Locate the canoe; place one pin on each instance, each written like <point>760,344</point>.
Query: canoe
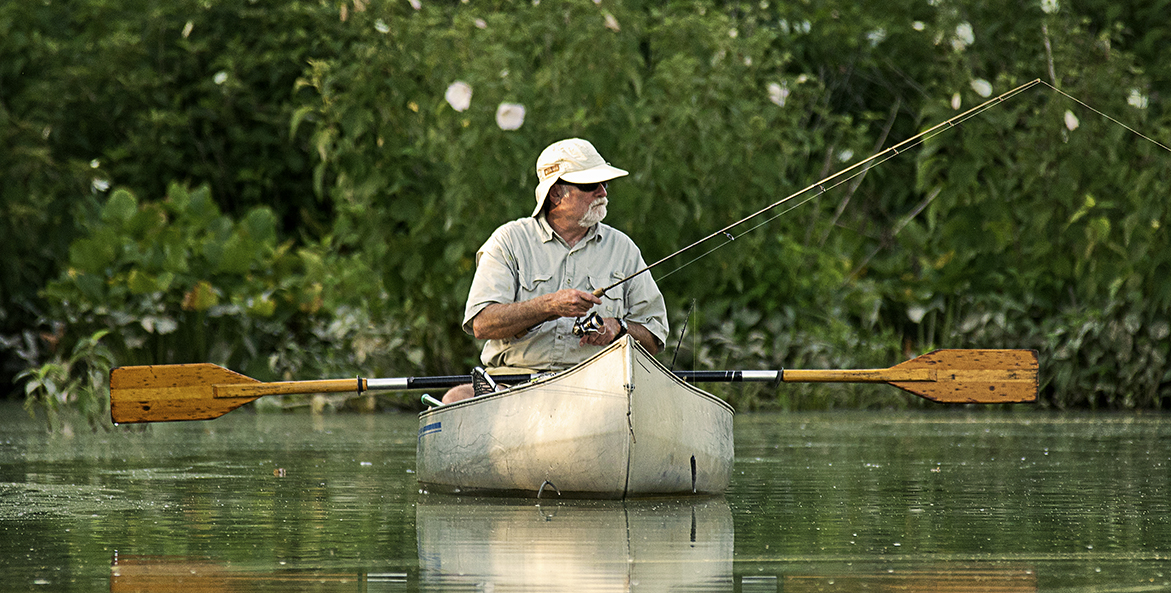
<point>619,425</point>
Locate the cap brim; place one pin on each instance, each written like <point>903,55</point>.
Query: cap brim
<point>593,175</point>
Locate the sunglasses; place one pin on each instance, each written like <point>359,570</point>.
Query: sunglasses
<point>588,188</point>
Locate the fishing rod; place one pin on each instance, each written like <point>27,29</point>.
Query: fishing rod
<point>849,173</point>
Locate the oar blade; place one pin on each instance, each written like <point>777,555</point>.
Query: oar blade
<point>164,393</point>
<point>975,376</point>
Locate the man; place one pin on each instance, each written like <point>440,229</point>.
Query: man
<point>536,276</point>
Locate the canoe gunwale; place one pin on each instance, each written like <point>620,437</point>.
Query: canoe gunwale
<point>553,376</point>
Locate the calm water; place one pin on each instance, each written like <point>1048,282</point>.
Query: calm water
<point>947,500</point>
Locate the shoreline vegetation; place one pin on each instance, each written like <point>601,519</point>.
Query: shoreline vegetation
<point>296,190</point>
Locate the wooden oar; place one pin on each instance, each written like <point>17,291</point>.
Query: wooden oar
<point>161,393</point>
<point>944,376</point>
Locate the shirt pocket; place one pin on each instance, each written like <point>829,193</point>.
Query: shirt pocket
<point>534,285</point>
<point>530,287</point>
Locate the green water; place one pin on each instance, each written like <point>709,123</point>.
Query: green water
<point>948,500</point>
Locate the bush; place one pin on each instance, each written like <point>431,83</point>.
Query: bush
<point>355,193</point>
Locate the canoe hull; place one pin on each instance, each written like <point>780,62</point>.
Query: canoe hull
<point>619,425</point>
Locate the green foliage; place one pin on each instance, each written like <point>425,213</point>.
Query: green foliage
<point>176,280</point>
<point>78,380</point>
<point>342,198</point>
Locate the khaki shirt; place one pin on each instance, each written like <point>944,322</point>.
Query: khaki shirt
<point>524,259</point>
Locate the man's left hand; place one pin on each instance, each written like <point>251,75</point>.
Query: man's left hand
<point>610,329</point>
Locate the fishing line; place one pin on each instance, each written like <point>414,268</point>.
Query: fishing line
<point>837,178</point>
<point>1084,104</point>
<point>861,168</point>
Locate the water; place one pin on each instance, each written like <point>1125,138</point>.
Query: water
<point>945,500</point>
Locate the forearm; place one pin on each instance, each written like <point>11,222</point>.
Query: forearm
<point>501,321</point>
<point>644,337</point>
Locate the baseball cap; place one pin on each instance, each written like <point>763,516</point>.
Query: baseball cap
<point>574,160</point>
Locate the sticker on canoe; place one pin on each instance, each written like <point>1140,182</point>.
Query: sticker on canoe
<point>432,428</point>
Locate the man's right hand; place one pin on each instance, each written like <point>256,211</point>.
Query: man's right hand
<point>500,321</point>
<point>571,303</point>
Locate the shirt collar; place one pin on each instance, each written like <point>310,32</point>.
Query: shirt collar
<point>596,233</point>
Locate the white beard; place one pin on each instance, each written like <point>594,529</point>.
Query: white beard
<point>595,214</point>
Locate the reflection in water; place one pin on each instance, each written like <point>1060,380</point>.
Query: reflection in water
<point>189,574</point>
<point>943,578</point>
<point>510,544</point>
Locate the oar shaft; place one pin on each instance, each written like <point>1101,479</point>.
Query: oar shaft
<point>285,388</point>
<point>356,385</point>
<point>858,376</point>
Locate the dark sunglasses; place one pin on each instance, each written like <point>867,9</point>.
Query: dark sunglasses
<point>588,188</point>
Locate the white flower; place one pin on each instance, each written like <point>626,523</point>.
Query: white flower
<point>381,26</point>
<point>845,155</point>
<point>220,77</point>
<point>1049,6</point>
<point>187,29</point>
<point>918,25</point>
<point>510,116</point>
<point>916,313</point>
<point>416,4</point>
<point>94,164</point>
<point>982,87</point>
<point>98,184</point>
<point>1070,120</point>
<point>778,93</point>
<point>733,33</point>
<point>481,24</point>
<point>876,36</point>
<point>956,101</point>
<point>459,95</point>
<point>612,23</point>
<point>1137,99</point>
<point>964,36</point>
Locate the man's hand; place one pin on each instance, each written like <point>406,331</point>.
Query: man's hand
<point>610,329</point>
<point>500,321</point>
<point>571,302</point>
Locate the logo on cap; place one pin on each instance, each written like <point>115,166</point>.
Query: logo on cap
<point>550,170</point>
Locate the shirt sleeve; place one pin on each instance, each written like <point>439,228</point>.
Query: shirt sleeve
<point>645,304</point>
<point>495,280</point>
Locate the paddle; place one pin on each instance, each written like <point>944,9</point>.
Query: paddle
<point>161,393</point>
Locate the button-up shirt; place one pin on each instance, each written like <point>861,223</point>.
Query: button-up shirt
<point>525,259</point>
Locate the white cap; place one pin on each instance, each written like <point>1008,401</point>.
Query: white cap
<point>574,160</point>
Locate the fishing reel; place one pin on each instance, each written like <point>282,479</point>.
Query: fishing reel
<point>591,323</point>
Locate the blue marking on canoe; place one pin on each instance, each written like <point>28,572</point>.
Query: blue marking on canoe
<point>432,428</point>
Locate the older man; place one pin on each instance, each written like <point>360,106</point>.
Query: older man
<point>536,276</point>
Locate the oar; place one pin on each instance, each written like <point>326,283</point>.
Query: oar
<point>944,376</point>
<point>161,393</point>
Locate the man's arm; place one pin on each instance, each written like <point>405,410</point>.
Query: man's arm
<point>500,321</point>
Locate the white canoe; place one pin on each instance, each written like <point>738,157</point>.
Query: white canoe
<point>619,425</point>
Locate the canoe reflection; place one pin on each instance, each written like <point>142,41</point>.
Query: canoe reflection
<point>511,544</point>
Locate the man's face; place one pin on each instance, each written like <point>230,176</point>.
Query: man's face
<point>586,207</point>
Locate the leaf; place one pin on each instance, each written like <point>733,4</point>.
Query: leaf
<point>121,206</point>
